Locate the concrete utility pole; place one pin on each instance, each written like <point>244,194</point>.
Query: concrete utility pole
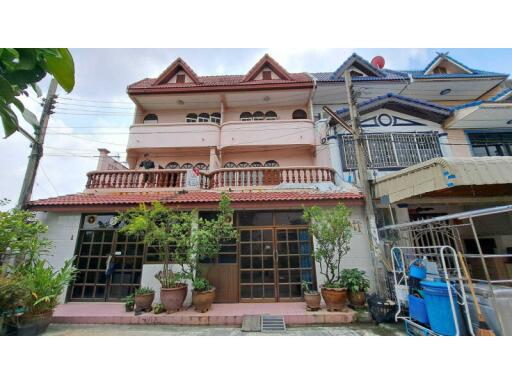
<point>37,147</point>
<point>362,169</point>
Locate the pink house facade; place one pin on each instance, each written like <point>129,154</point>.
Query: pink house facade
<point>192,137</point>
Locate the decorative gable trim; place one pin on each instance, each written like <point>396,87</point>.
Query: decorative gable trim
<point>444,57</point>
<point>267,62</point>
<point>505,95</point>
<point>177,65</point>
<point>361,65</point>
<point>386,120</point>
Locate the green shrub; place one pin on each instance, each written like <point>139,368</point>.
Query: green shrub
<point>355,280</point>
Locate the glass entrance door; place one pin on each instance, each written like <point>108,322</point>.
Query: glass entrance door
<point>98,243</point>
<point>273,262</point>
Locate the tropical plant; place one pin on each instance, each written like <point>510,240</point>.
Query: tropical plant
<point>24,67</point>
<point>158,308</point>
<point>144,291</point>
<point>44,283</point>
<point>354,280</point>
<point>168,232</point>
<point>21,236</point>
<point>129,302</point>
<point>332,231</point>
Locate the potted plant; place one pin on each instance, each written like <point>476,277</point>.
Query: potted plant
<point>203,294</point>
<point>45,286</point>
<point>357,284</point>
<point>168,232</point>
<point>129,303</point>
<point>332,231</point>
<point>207,239</point>
<point>144,297</point>
<point>311,296</point>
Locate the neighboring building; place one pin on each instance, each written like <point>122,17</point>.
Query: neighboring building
<point>251,135</point>
<point>438,141</point>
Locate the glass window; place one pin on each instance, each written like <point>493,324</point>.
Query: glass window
<point>289,218</point>
<point>150,119</point>
<point>491,144</point>
<point>299,114</point>
<point>254,218</point>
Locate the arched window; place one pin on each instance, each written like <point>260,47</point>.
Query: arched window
<point>187,166</point>
<point>299,114</point>
<point>270,115</point>
<point>191,118</point>
<point>215,118</point>
<point>246,116</point>
<point>150,119</point>
<point>271,163</point>
<point>172,165</point>
<point>203,118</point>
<point>256,164</point>
<point>201,166</point>
<point>243,164</point>
<point>230,164</point>
<point>258,115</point>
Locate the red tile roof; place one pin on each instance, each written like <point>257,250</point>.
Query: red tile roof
<point>223,82</point>
<point>80,199</point>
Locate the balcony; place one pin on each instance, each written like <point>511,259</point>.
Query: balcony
<point>164,179</point>
<point>267,132</point>
<point>173,135</point>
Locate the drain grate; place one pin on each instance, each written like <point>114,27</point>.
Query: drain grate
<point>272,323</point>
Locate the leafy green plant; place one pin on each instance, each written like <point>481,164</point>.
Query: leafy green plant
<point>144,291</point>
<point>44,283</point>
<point>13,295</point>
<point>307,287</point>
<point>24,67</point>
<point>129,302</point>
<point>158,308</point>
<point>21,236</point>
<point>333,231</point>
<point>354,280</point>
<point>201,284</point>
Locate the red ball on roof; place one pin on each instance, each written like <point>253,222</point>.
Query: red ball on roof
<point>378,61</point>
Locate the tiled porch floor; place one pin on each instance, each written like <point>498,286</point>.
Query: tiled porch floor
<point>220,314</point>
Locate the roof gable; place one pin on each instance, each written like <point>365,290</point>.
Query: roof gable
<point>503,96</point>
<point>444,64</point>
<point>176,66</point>
<point>359,65</point>
<point>402,104</point>
<point>267,63</point>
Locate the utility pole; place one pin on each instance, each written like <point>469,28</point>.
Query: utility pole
<point>362,169</point>
<point>37,146</point>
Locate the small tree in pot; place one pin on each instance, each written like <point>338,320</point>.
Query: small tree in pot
<point>357,284</point>
<point>333,231</point>
<point>168,232</point>
<point>207,239</point>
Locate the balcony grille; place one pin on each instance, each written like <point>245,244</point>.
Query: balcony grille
<point>391,150</point>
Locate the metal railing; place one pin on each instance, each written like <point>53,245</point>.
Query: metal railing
<point>392,150</point>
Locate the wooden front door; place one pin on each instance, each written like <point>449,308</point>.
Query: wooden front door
<point>274,260</point>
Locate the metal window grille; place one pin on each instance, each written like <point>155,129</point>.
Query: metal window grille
<point>392,150</point>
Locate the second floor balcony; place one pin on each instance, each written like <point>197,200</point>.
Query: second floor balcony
<point>167,179</point>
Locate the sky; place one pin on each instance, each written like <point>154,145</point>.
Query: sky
<point>98,113</point>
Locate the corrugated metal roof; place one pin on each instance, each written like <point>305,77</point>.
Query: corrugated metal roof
<point>442,173</point>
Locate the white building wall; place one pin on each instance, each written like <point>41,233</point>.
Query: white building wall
<point>62,232</point>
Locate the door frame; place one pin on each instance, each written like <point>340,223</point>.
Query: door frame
<point>274,228</point>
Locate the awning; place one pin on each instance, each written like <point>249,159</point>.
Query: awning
<point>448,177</point>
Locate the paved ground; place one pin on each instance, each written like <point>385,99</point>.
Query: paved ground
<point>169,330</point>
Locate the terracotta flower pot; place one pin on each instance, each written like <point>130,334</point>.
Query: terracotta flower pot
<point>172,298</point>
<point>312,301</point>
<point>202,300</point>
<point>357,299</point>
<point>335,298</point>
<point>144,302</point>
